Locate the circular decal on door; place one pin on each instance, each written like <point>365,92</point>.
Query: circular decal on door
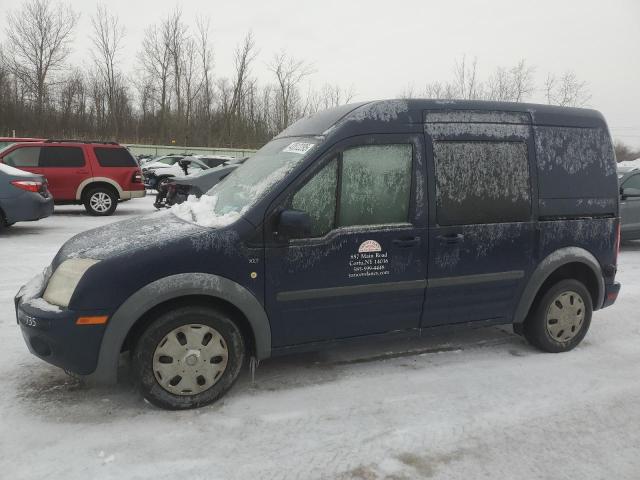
<point>369,246</point>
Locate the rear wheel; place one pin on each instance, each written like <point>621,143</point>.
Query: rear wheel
<point>561,318</point>
<point>100,201</point>
<point>189,357</point>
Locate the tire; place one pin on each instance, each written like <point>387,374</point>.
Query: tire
<point>100,201</point>
<point>570,302</point>
<point>178,376</point>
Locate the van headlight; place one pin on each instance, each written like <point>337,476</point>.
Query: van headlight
<point>65,279</point>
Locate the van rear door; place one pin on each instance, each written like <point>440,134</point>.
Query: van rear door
<point>481,235</point>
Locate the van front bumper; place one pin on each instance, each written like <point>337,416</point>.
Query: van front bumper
<point>611,294</point>
<point>54,337</point>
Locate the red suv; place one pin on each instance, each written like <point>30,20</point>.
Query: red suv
<point>96,174</point>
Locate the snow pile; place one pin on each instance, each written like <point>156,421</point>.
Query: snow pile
<point>630,164</point>
<point>201,211</point>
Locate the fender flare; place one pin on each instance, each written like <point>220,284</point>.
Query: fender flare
<point>169,288</point>
<point>88,181</point>
<point>549,265</point>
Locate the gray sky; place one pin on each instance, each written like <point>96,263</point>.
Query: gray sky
<point>381,47</point>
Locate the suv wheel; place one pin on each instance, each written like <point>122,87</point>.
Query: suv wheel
<point>189,357</point>
<point>100,201</point>
<point>561,318</point>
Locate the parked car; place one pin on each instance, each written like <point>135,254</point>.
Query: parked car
<point>95,174</point>
<point>177,189</point>
<point>629,179</point>
<point>371,219</point>
<point>157,175</point>
<point>167,160</point>
<point>24,197</point>
<point>6,141</point>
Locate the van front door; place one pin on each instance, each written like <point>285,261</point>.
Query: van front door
<point>482,233</point>
<point>362,269</point>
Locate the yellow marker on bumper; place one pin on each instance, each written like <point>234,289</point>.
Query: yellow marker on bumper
<point>100,320</point>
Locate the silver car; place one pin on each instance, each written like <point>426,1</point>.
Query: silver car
<point>629,180</point>
<point>24,196</point>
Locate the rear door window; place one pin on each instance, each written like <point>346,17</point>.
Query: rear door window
<point>55,157</point>
<point>481,182</point>
<point>23,157</point>
<point>114,157</point>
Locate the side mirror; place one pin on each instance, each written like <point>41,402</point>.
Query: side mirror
<point>629,193</point>
<point>293,224</point>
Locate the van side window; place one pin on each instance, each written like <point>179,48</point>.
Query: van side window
<point>318,198</point>
<point>373,183</point>
<point>481,182</point>
<point>61,157</point>
<point>23,157</point>
<point>376,184</point>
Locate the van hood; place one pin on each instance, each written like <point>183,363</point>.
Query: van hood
<point>134,234</point>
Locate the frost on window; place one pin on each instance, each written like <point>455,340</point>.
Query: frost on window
<point>376,183</point>
<point>318,198</point>
<point>574,162</point>
<point>481,182</point>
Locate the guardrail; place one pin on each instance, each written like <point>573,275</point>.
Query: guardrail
<point>157,150</point>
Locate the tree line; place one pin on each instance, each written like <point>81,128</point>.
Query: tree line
<point>174,96</point>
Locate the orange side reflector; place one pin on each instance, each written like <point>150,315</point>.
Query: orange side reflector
<point>92,320</point>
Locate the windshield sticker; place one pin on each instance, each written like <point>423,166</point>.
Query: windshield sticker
<point>299,147</point>
<point>370,261</point>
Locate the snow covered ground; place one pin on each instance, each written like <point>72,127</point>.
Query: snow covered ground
<point>481,404</point>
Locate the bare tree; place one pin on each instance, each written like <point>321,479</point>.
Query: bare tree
<point>206,61</point>
<point>107,41</point>
<point>466,79</point>
<point>514,84</point>
<point>289,72</point>
<point>566,91</point>
<point>38,37</point>
<point>156,61</point>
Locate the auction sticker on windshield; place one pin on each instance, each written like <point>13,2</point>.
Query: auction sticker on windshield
<point>299,147</point>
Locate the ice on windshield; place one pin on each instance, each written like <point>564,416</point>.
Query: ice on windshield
<point>241,189</point>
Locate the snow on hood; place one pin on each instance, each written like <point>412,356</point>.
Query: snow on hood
<point>136,233</point>
<point>200,211</point>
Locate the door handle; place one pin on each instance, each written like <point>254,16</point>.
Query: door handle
<point>451,239</point>
<point>406,242</point>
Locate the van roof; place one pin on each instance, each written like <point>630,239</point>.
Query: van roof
<point>412,111</point>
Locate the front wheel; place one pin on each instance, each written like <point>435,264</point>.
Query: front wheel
<point>100,201</point>
<point>561,318</point>
<point>189,357</point>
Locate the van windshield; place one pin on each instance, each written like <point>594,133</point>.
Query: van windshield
<point>248,183</point>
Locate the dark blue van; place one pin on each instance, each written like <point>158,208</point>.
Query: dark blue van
<point>381,218</point>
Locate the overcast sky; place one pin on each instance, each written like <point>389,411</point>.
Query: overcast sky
<point>381,47</point>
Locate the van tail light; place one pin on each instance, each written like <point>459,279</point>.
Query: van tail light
<point>28,185</point>
<point>137,177</point>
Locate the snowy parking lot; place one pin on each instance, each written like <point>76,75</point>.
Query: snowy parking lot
<point>480,404</point>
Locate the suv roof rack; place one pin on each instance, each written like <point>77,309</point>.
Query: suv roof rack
<point>55,140</point>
